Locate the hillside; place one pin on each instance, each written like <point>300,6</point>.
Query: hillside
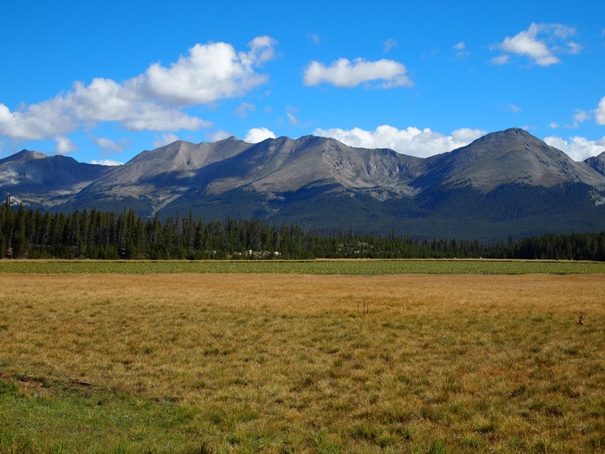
<point>507,182</point>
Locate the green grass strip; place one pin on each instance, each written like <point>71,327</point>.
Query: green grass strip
<point>347,267</point>
<point>66,419</point>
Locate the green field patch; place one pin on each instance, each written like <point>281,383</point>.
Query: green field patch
<point>351,267</point>
<point>40,415</point>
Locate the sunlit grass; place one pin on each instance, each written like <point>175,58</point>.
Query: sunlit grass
<point>301,363</point>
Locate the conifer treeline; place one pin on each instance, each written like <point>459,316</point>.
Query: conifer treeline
<point>107,235</point>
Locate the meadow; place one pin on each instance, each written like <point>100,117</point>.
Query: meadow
<point>342,267</point>
<point>362,360</point>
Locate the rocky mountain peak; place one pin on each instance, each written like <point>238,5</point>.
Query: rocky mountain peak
<point>513,156</point>
<point>26,155</point>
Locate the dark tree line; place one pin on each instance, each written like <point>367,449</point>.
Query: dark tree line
<point>107,235</point>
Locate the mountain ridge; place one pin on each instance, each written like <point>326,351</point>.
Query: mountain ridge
<point>321,182</point>
<point>515,157</point>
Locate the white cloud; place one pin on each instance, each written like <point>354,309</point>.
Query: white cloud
<point>461,50</point>
<point>314,37</point>
<point>110,145</point>
<point>580,117</point>
<point>513,108</point>
<point>256,135</point>
<point>244,108</point>
<point>165,139</point>
<point>500,60</point>
<point>574,48</point>
<point>64,145</point>
<point>539,42</point>
<point>292,119</point>
<point>390,44</point>
<point>578,148</point>
<point>208,73</point>
<point>344,73</point>
<point>158,119</point>
<point>84,106</point>
<point>553,125</point>
<point>261,49</point>
<point>411,141</point>
<point>219,135</point>
<point>106,162</point>
<point>149,101</point>
<point>40,121</point>
<point>600,112</point>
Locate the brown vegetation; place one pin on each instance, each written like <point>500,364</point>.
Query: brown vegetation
<point>320,363</point>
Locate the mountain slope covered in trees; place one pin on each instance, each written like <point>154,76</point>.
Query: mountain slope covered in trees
<point>107,235</point>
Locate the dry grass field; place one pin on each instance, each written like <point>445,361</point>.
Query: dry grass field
<point>301,363</point>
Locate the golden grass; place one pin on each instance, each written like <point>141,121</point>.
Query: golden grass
<point>309,363</point>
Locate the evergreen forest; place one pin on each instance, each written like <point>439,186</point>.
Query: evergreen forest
<point>27,233</point>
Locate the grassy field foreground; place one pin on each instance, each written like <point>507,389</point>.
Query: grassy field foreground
<point>301,363</point>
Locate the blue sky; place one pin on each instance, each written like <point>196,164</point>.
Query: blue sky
<point>103,81</point>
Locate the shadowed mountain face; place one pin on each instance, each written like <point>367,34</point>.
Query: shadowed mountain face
<point>597,163</point>
<point>504,183</point>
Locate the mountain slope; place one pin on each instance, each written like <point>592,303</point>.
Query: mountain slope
<point>38,179</point>
<point>504,183</point>
<point>285,165</point>
<point>273,167</point>
<point>511,156</point>
<point>153,178</point>
<point>597,163</point>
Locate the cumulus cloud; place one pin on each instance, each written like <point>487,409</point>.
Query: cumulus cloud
<point>64,145</point>
<point>578,148</point>
<point>344,73</point>
<point>84,106</point>
<point>256,135</point>
<point>165,139</point>
<point>208,73</point>
<point>410,141</point>
<point>540,43</point>
<point>600,112</point>
<point>150,101</point>
<point>106,162</point>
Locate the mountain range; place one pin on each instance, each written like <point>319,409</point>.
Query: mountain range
<point>504,183</point>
